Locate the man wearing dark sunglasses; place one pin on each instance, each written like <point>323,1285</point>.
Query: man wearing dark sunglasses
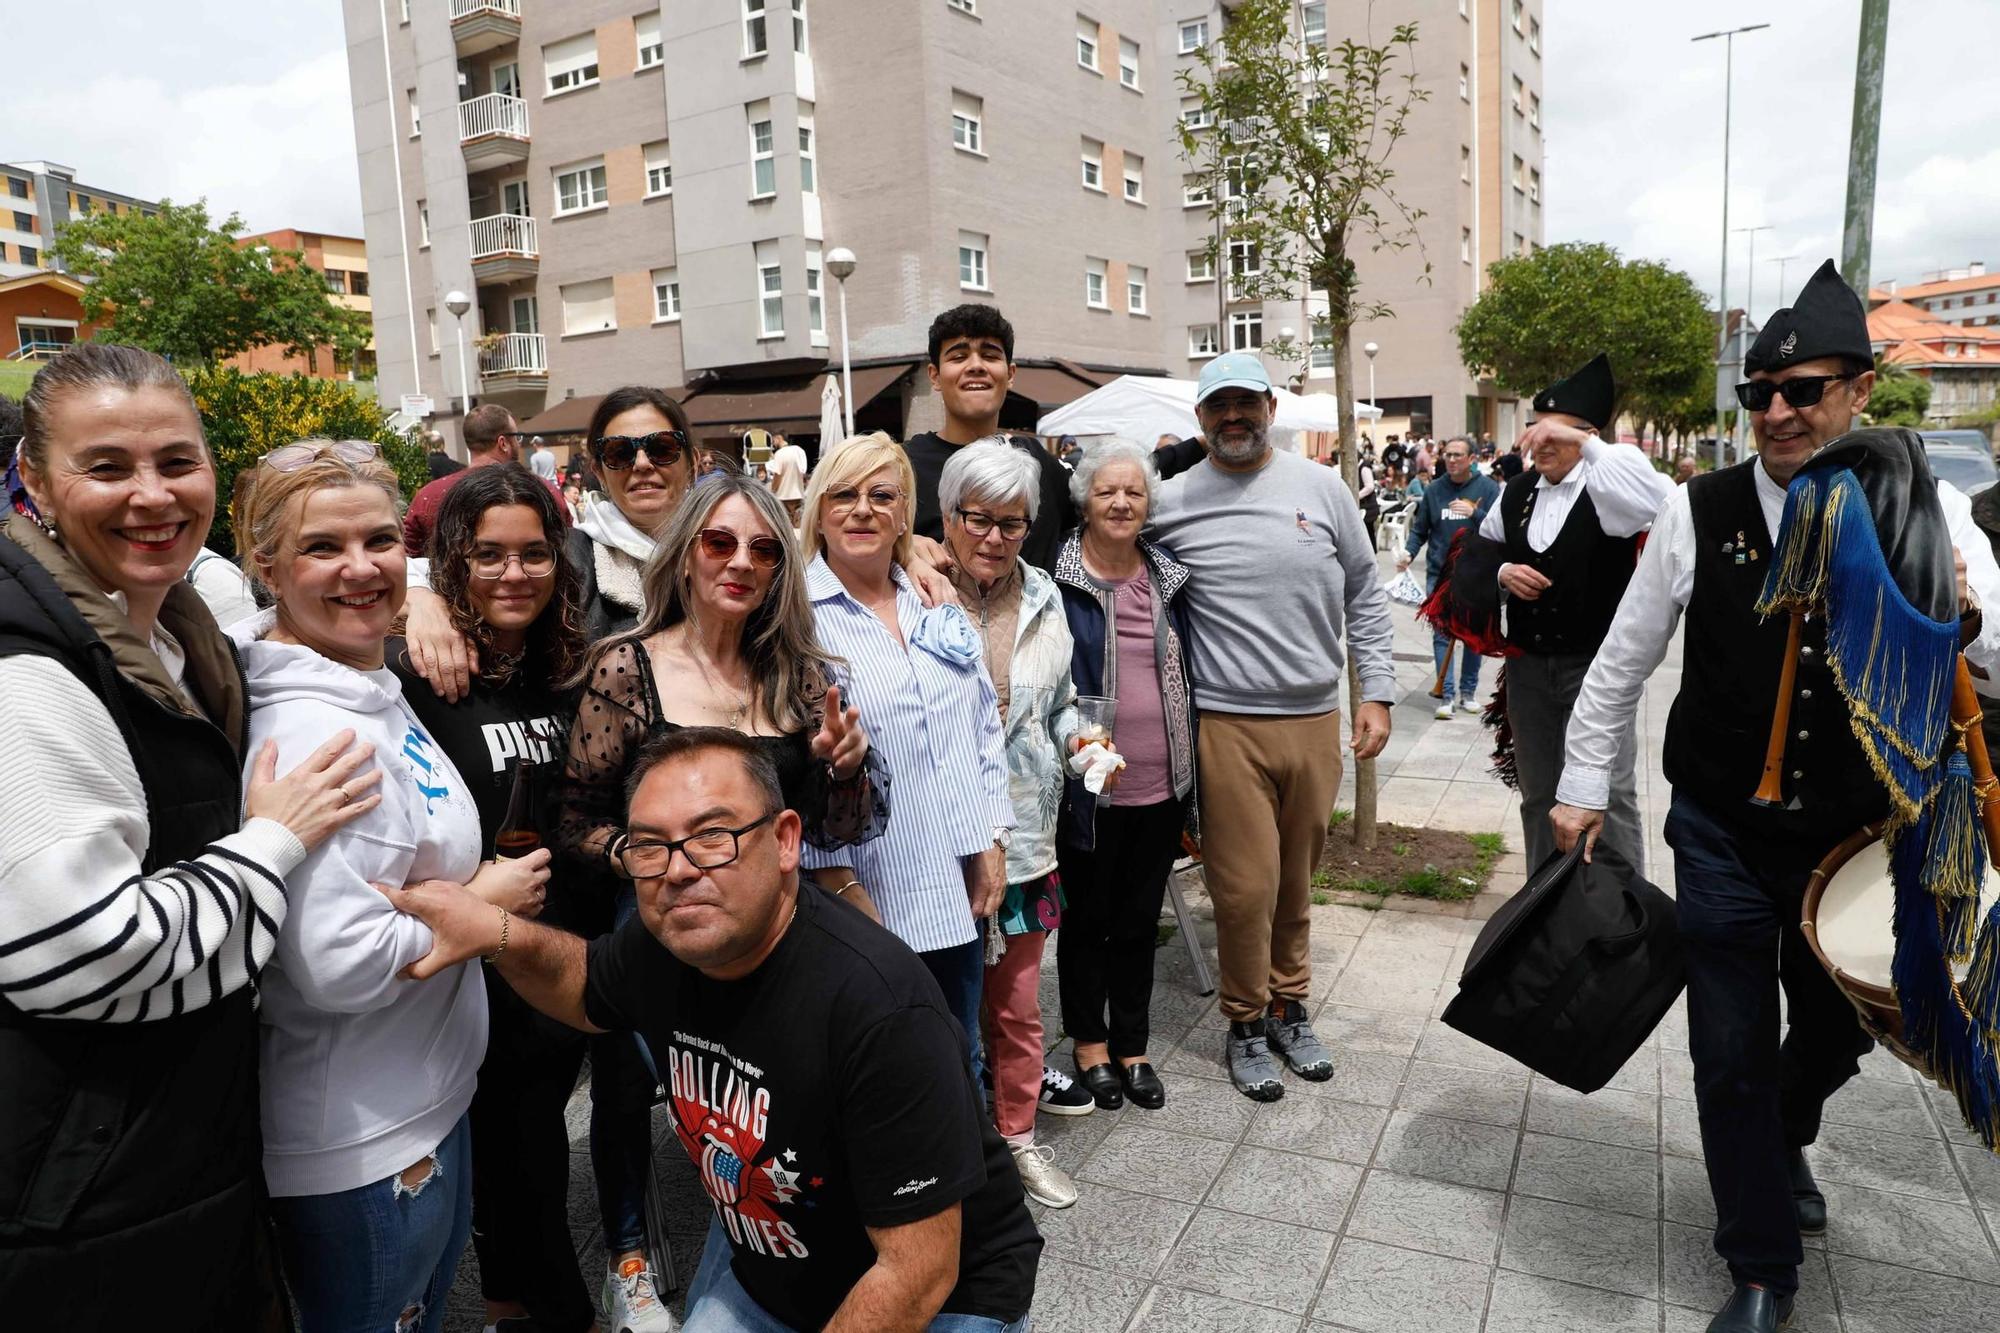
<point>491,437</point>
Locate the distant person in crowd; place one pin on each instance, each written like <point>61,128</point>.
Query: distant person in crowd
<point>1395,454</point>
<point>1069,450</point>
<point>542,459</point>
<point>1173,456</point>
<point>572,493</point>
<point>1449,506</point>
<point>441,463</point>
<point>939,870</point>
<point>788,477</point>
<point>1684,469</point>
<point>497,561</point>
<point>491,438</point>
<point>1269,539</point>
<point>1126,602</point>
<point>224,586</point>
<point>988,491</point>
<point>1369,496</point>
<point>123,785</point>
<point>812,1074</point>
<point>366,1074</point>
<point>971,365</point>
<point>1426,459</point>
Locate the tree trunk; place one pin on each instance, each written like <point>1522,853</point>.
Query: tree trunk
<point>1363,822</point>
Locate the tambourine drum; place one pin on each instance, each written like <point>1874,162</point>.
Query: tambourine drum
<point>1849,916</point>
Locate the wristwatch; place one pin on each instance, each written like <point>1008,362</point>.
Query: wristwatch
<point>1003,837</point>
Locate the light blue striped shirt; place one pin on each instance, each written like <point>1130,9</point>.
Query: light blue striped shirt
<point>934,722</point>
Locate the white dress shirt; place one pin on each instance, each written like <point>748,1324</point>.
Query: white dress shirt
<point>1660,587</point>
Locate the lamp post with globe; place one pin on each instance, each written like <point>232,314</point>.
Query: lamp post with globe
<point>840,263</point>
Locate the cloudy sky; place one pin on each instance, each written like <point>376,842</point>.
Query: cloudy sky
<point>212,97</point>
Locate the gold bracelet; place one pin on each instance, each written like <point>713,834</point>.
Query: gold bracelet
<point>491,957</point>
<point>841,892</point>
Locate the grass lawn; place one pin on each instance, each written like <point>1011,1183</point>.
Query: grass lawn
<point>15,375</point>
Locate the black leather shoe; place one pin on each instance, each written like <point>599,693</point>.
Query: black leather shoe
<point>1752,1310</point>
<point>1806,1197</point>
<point>1102,1083</point>
<point>1143,1086</point>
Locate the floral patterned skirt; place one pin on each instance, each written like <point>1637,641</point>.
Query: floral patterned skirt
<point>1034,905</point>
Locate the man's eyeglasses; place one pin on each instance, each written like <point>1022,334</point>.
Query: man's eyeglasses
<point>708,849</point>
<point>493,564</point>
<point>292,457</point>
<point>1804,391</point>
<point>620,452</point>
<point>848,498</point>
<point>980,524</point>
<point>721,544</point>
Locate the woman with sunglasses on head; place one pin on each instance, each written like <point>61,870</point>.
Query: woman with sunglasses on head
<point>366,1074</point>
<point>142,879</point>
<point>496,552</point>
<point>727,640</point>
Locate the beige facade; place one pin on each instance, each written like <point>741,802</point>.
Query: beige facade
<point>634,194</point>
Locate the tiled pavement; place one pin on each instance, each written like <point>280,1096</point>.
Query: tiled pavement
<point>1433,1186</point>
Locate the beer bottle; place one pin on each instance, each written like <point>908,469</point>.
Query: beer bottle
<point>520,831</point>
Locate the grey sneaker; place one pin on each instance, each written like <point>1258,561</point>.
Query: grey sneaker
<point>1044,1181</point>
<point>1252,1067</point>
<point>1292,1034</point>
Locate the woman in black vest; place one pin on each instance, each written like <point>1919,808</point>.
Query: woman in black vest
<point>137,904</point>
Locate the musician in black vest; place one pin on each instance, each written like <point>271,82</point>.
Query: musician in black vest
<point>1570,532</point>
<point>1740,868</point>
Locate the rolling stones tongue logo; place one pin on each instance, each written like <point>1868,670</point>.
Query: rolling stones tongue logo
<point>721,1119</point>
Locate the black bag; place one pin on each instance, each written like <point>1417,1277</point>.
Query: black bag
<point>1573,973</point>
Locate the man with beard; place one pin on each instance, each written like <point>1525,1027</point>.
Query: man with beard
<point>1281,565</point>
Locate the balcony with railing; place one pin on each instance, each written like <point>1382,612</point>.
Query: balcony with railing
<point>493,131</point>
<point>482,25</point>
<point>504,248</point>
<point>513,361</point>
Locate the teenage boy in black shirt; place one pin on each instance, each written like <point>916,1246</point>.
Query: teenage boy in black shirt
<point>971,368</point>
<point>814,1076</point>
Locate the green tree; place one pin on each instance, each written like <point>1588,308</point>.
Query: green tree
<point>1294,139</point>
<point>1545,314</point>
<point>177,285</point>
<point>1899,398</point>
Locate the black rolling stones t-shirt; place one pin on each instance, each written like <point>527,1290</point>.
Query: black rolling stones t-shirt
<point>825,1093</point>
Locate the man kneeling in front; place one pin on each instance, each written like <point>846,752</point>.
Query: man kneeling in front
<point>814,1075</point>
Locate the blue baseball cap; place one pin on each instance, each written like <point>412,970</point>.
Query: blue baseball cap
<point>1235,370</point>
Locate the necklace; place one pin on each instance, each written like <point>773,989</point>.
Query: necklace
<point>711,678</point>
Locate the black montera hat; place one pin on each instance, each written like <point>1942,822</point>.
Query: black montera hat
<point>1587,394</point>
<point>1827,319</point>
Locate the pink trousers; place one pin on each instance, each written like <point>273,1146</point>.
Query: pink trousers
<point>1012,1010</point>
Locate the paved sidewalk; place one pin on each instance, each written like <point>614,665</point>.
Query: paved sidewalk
<point>1433,1186</point>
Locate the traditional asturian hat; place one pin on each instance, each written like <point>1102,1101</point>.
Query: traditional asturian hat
<point>1587,394</point>
<point>1827,319</point>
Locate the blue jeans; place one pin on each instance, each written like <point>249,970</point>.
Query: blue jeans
<point>383,1255</point>
<point>717,1303</point>
<point>1468,666</point>
<point>621,1122</point>
<point>960,972</point>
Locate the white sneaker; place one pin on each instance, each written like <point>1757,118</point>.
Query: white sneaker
<point>1470,706</point>
<point>631,1300</point>
<point>1444,711</point>
<point>1045,1181</point>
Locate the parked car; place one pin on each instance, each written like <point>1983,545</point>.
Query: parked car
<point>1962,457</point>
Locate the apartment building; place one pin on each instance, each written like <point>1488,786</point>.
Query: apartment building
<point>624,193</point>
<point>37,199</point>
<point>1968,296</point>
<point>343,261</point>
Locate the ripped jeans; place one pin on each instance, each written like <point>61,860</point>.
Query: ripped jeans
<point>380,1258</point>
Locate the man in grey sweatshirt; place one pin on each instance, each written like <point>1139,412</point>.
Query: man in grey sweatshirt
<point>1283,572</point>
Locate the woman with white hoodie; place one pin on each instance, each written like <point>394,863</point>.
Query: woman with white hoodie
<point>366,1075</point>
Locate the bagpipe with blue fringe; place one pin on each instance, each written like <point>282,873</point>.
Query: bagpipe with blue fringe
<point>1864,546</point>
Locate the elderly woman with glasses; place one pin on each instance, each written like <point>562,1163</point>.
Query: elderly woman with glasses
<point>939,869</point>
<point>988,494</point>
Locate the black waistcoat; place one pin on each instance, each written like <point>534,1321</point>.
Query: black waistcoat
<point>1587,570</point>
<point>1720,726</point>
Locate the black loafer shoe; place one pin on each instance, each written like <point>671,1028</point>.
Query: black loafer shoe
<point>1811,1204</point>
<point>1752,1310</point>
<point>1143,1086</point>
<point>1102,1083</point>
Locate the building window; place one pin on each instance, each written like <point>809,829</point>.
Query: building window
<point>965,6</point>
<point>1135,290</point>
<point>1128,62</point>
<point>1093,165</point>
<point>1520,176</point>
<point>24,222</point>
<point>1465,245</point>
<point>666,295</point>
<point>646,29</point>
<point>1465,9</point>
<point>1095,274</point>
<point>581,186</point>
<point>336,281</point>
<point>1312,24</point>
<point>972,261</point>
<point>1194,114</point>
<point>416,114</point>
<point>770,291</point>
<point>659,170</point>
<point>1519,10</point>
<point>1535,110</point>
<point>1535,35</point>
<point>967,116</point>
<point>431,320</point>
<point>815,300</point>
<point>1464,84</point>
<point>1245,261</point>
<point>1520,96</point>
<point>798,27</point>
<point>1319,357</point>
<point>1535,184</point>
<point>570,64</point>
<point>17,187</point>
<point>1200,266</point>
<point>754,41</point>
<point>357,282</point>
<point>30,256</point>
<point>1202,340</point>
<point>423,225</point>
<point>589,307</point>
<point>1196,192</point>
<point>1246,330</point>
<point>1464,163</point>
<point>1194,36</point>
<point>808,161</point>
<point>1135,179</point>
<point>763,153</point>
<point>1086,42</point>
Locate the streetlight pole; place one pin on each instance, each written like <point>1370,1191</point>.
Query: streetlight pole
<point>1781,261</point>
<point>840,263</point>
<point>1743,327</point>
<point>1722,296</point>
<point>1368,350</point>
<point>458,303</point>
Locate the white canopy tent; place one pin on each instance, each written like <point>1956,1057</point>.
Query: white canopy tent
<point>1145,407</point>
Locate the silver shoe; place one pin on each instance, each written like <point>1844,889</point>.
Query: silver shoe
<point>1045,1182</point>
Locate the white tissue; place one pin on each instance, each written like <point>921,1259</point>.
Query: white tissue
<point>1094,763</point>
